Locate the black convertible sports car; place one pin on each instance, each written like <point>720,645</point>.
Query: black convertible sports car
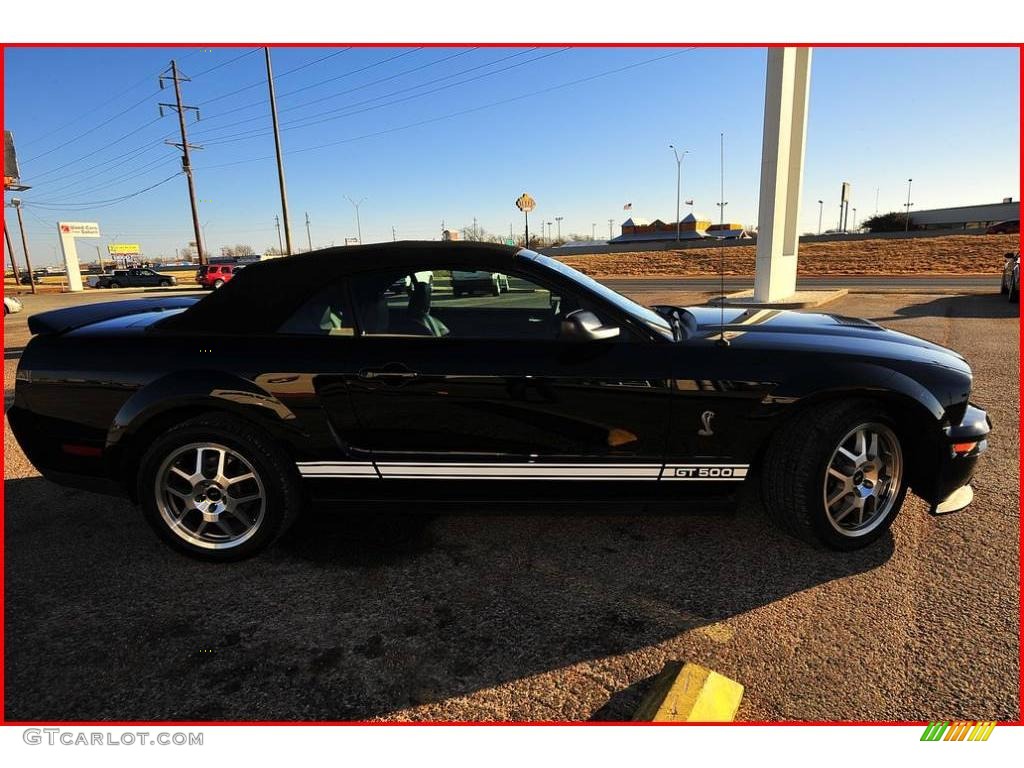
<point>223,417</point>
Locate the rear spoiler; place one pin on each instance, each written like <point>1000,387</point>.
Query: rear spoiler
<point>63,320</point>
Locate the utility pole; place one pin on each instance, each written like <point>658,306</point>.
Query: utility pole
<point>359,228</point>
<point>16,202</point>
<point>309,237</point>
<point>906,226</point>
<point>610,221</point>
<point>277,148</point>
<point>99,255</point>
<point>679,181</point>
<point>559,220</point>
<point>184,146</point>
<point>14,262</point>
<point>394,239</point>
<point>876,200</point>
<point>821,210</point>
<point>277,223</point>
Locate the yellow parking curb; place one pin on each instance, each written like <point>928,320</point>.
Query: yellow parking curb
<point>690,693</point>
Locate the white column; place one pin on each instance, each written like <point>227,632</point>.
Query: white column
<point>68,231</point>
<point>782,163</point>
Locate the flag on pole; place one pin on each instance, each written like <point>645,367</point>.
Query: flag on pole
<point>627,207</point>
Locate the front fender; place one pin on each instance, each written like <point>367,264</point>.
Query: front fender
<point>859,378</point>
<point>197,389</point>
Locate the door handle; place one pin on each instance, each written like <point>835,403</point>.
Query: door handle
<point>392,372</point>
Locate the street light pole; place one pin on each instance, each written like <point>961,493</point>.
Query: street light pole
<point>610,228</point>
<point>593,231</point>
<point>906,225</point>
<point>855,219</point>
<point>821,209</point>
<point>359,228</point>
<point>280,245</point>
<point>559,220</point>
<point>14,261</point>
<point>309,237</point>
<point>679,182</point>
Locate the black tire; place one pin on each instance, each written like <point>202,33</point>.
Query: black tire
<point>218,283</point>
<point>276,472</point>
<point>165,283</point>
<point>795,467</point>
<point>112,284</point>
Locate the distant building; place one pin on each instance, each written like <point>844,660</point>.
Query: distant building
<point>966,216</point>
<point>450,234</point>
<point>691,227</point>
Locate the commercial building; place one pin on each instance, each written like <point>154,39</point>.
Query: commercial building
<point>966,216</point>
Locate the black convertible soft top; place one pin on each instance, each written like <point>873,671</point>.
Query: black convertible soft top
<point>262,296</point>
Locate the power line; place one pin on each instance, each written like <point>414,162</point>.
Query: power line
<point>470,110</point>
<point>287,72</point>
<point>311,85</point>
<point>67,206</point>
<point>225,63</point>
<point>375,98</point>
<point>101,149</point>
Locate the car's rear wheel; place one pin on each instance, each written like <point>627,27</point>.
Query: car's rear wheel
<point>218,489</point>
<point>112,284</point>
<point>165,283</point>
<point>835,475</point>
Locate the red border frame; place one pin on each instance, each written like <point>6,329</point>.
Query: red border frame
<point>128,723</point>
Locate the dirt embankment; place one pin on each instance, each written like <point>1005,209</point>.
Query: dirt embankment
<point>951,255</point>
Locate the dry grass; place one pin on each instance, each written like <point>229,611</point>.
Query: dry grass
<point>951,255</point>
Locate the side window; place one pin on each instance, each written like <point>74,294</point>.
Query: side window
<point>326,313</point>
<point>458,303</point>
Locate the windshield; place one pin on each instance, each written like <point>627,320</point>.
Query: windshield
<point>648,317</point>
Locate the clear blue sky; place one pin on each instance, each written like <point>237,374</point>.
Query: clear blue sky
<point>946,117</point>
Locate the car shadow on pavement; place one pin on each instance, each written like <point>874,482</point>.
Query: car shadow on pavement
<point>968,305</point>
<point>359,613</point>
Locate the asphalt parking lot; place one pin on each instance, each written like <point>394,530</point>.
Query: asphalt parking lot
<point>429,614</point>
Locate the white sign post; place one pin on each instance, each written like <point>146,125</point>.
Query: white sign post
<point>68,231</point>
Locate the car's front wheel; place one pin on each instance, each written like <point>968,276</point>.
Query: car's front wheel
<point>218,488</point>
<point>835,475</point>
<point>218,283</point>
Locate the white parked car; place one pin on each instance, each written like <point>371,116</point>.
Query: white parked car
<point>12,304</point>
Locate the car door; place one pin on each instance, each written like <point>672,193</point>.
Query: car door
<point>484,387</point>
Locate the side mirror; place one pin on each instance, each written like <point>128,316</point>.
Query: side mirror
<point>582,325</point>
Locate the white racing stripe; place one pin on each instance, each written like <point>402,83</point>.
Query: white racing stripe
<point>443,470</point>
<point>524,471</point>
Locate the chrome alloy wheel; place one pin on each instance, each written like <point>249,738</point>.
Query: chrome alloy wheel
<point>210,496</point>
<point>863,479</point>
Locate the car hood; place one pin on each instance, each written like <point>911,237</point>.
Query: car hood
<point>813,331</point>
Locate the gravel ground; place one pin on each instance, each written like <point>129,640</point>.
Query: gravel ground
<point>550,615</point>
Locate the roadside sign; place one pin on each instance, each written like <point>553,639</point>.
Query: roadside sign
<point>79,228</point>
<point>525,203</point>
<point>11,174</point>
<point>510,241</point>
<point>845,196</point>
<point>124,249</point>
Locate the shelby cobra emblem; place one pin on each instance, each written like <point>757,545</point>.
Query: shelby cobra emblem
<point>705,420</point>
